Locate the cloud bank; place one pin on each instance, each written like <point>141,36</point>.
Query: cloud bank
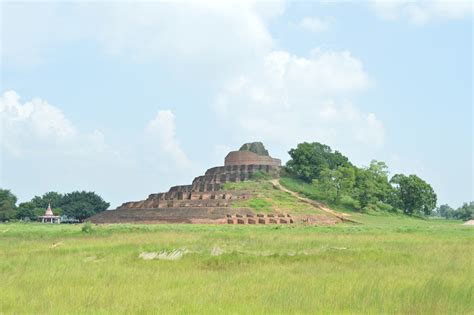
<point>163,147</point>
<point>289,99</point>
<point>50,151</point>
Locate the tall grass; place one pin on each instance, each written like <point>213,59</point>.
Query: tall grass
<point>388,265</point>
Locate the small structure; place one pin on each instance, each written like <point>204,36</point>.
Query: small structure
<point>49,216</point>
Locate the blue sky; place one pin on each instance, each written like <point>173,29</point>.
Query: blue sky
<point>128,99</point>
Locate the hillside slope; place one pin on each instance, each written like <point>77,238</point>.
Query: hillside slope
<point>268,196</point>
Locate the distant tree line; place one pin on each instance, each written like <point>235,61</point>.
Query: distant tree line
<point>336,180</point>
<point>78,205</point>
<point>465,212</point>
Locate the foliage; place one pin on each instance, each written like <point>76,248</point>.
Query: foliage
<point>255,147</point>
<point>78,205</point>
<point>362,189</point>
<point>82,204</point>
<point>7,205</point>
<point>445,211</point>
<point>337,181</point>
<point>52,197</point>
<point>372,185</point>
<point>87,228</point>
<point>465,212</point>
<point>414,195</point>
<point>308,160</point>
<point>26,210</point>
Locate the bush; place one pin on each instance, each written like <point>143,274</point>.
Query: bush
<point>370,209</point>
<point>350,202</point>
<point>385,207</point>
<point>87,228</point>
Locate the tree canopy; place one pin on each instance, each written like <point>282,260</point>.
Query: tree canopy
<point>338,181</point>
<point>52,197</point>
<point>78,204</point>
<point>82,204</point>
<point>308,160</point>
<point>7,205</point>
<point>414,194</point>
<point>465,212</point>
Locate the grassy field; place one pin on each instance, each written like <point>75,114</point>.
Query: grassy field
<point>388,264</point>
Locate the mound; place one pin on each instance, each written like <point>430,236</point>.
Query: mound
<point>224,195</point>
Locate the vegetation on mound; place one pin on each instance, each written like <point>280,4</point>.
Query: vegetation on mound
<point>323,174</point>
<point>391,264</point>
<point>319,173</point>
<point>268,199</point>
<point>255,147</point>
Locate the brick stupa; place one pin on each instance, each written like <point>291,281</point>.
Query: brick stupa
<point>203,201</point>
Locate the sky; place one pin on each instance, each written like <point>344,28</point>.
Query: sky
<point>129,98</point>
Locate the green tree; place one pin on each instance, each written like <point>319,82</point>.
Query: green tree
<point>7,205</point>
<point>372,186</point>
<point>31,211</point>
<point>414,194</point>
<point>465,212</point>
<point>308,160</point>
<point>335,183</point>
<point>26,210</point>
<point>445,211</point>
<point>82,204</point>
<point>52,197</point>
<point>366,189</point>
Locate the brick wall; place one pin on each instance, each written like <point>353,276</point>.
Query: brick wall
<point>247,158</point>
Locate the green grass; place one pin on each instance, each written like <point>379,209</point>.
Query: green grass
<point>300,186</point>
<point>388,264</point>
<point>310,191</point>
<point>267,199</point>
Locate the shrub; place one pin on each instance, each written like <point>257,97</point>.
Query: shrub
<point>385,207</point>
<point>87,228</point>
<point>350,202</point>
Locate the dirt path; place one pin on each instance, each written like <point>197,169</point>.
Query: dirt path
<point>320,205</point>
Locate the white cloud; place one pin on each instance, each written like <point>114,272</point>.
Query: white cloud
<point>421,12</point>
<point>28,126</point>
<point>41,150</point>
<point>39,128</point>
<point>289,99</point>
<point>208,35</point>
<point>316,25</point>
<point>162,145</point>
